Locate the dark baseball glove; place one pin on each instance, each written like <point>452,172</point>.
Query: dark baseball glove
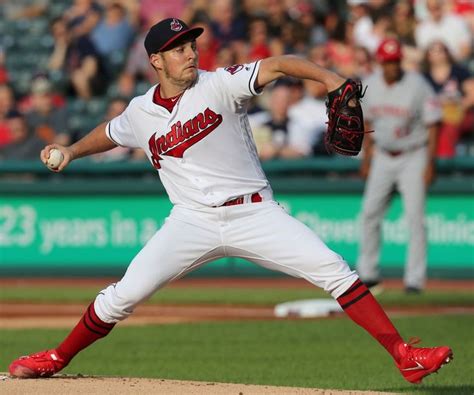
<point>345,131</point>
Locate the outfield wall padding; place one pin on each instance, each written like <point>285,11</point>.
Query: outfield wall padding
<point>91,222</point>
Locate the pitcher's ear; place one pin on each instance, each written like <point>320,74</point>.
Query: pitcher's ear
<point>156,60</point>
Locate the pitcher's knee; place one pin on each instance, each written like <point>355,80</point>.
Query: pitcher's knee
<point>112,307</point>
<point>337,278</point>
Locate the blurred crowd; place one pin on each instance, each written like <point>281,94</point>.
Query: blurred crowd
<point>70,64</point>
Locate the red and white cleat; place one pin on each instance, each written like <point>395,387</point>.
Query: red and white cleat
<point>418,362</point>
<point>42,364</point>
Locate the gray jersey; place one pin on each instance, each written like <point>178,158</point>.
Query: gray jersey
<point>399,113</point>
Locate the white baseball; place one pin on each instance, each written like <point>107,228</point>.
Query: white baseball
<point>55,159</point>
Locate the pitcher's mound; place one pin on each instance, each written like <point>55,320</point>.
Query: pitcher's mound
<point>67,384</point>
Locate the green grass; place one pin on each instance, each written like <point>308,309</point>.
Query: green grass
<point>231,296</point>
<point>323,354</point>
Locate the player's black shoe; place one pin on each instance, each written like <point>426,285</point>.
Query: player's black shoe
<point>375,287</point>
<point>413,291</point>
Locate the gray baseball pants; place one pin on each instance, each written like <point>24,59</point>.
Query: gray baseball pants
<point>404,172</point>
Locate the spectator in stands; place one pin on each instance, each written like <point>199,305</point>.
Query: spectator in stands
<point>403,26</point>
<point>298,39</point>
<point>258,40</point>
<point>23,144</point>
<point>137,67</point>
<point>306,132</point>
<point>26,105</point>
<point>226,25</point>
<point>364,34</point>
<point>3,69</point>
<point>444,26</point>
<point>271,132</point>
<point>78,61</point>
<point>124,86</point>
<point>82,17</point>
<point>277,17</point>
<point>448,80</point>
<point>115,107</point>
<point>45,120</point>
<point>319,55</point>
<point>382,26</point>
<point>404,22</point>
<point>340,49</point>
<point>253,8</point>
<point>226,56</point>
<point>288,37</point>
<point>114,32</point>
<point>379,8</point>
<point>363,63</point>
<point>132,9</point>
<point>196,10</point>
<point>332,23</point>
<point>7,104</point>
<point>229,28</point>
<point>24,9</point>
<point>319,35</point>
<point>151,11</point>
<point>208,47</point>
<point>306,16</point>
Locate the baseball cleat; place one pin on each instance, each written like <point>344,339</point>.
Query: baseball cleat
<point>419,362</point>
<point>42,364</point>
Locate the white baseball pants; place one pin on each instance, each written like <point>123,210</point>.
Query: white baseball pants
<point>260,232</point>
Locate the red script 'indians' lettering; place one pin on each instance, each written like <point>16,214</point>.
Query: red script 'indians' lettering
<point>182,136</point>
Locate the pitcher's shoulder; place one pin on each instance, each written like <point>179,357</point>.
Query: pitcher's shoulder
<point>207,81</point>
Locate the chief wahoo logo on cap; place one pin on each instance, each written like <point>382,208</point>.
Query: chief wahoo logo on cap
<point>390,47</point>
<point>175,25</point>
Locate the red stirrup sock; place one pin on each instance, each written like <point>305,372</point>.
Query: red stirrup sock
<point>89,329</point>
<point>360,305</point>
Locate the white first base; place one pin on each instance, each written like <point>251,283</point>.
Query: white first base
<point>308,308</point>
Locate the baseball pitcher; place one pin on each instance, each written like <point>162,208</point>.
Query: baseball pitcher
<point>194,129</point>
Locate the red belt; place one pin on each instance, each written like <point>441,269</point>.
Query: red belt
<point>255,198</point>
<point>394,153</point>
<point>398,153</point>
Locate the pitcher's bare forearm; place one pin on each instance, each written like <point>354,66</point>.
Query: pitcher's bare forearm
<point>93,143</point>
<point>292,66</point>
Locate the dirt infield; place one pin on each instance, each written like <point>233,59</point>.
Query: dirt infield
<point>27,315</point>
<point>48,315</point>
<point>102,385</point>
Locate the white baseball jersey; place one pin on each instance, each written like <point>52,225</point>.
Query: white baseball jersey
<point>400,112</point>
<point>203,149</point>
<point>205,155</point>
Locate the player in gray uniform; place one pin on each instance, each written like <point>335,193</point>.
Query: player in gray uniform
<point>401,107</point>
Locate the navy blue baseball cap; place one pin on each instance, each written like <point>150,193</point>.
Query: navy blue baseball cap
<point>164,34</point>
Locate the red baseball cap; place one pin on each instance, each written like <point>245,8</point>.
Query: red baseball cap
<point>162,35</point>
<point>389,50</point>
